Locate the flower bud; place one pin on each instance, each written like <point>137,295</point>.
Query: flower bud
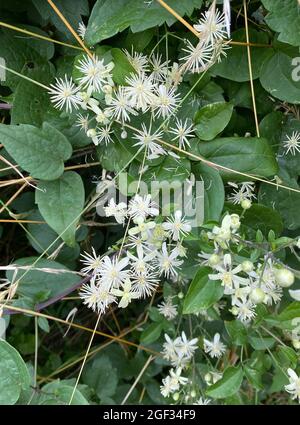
<point>207,378</point>
<point>284,277</point>
<point>246,204</point>
<point>175,396</point>
<point>296,344</point>
<point>235,221</point>
<point>235,311</point>
<point>214,260</point>
<point>193,393</point>
<point>124,134</point>
<point>91,132</point>
<point>257,296</point>
<point>180,295</point>
<point>247,266</point>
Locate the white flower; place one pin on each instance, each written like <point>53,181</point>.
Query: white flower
<point>292,143</point>
<point>244,310</point>
<point>112,271</point>
<point>137,60</point>
<point>177,226</point>
<point>119,107</point>
<point>145,283</point>
<point>140,91</point>
<point>64,93</point>
<point>159,68</point>
<point>142,262</point>
<point>167,262</point>
<point>95,73</point>
<point>119,211</point>
<point>211,26</point>
<point>92,262</point>
<point>182,132</point>
<point>146,139</point>
<point>126,292</point>
<point>82,122</point>
<point>177,378</point>
<point>81,29</point>
<point>167,309</point>
<point>214,348</point>
<point>228,275</point>
<point>97,296</point>
<point>202,401</point>
<point>168,387</point>
<point>104,134</point>
<point>142,227</point>
<point>242,191</point>
<point>295,294</point>
<point>186,348</point>
<point>294,386</point>
<point>166,101</point>
<point>142,206</point>
<point>197,57</point>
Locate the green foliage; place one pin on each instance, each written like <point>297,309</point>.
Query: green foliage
<point>61,202</point>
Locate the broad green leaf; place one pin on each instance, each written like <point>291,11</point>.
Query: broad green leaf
<point>284,17</point>
<point>151,333</point>
<point>113,156</point>
<point>259,217</point>
<point>61,204</point>
<point>108,18</point>
<point>212,119</point>
<point>237,332</point>
<point>40,151</point>
<point>101,376</point>
<point>235,66</point>
<point>276,77</point>
<point>254,376</point>
<point>202,292</point>
<point>286,357</point>
<point>14,375</point>
<point>122,67</point>
<point>60,393</point>
<point>228,385</point>
<point>72,12</point>
<point>250,155</point>
<point>261,343</point>
<point>270,128</point>
<point>213,190</point>
<point>31,102</point>
<point>38,284</point>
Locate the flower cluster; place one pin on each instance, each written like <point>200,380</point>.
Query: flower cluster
<point>151,251</point>
<point>247,283</point>
<point>152,87</point>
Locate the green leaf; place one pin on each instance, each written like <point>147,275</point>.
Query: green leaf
<point>228,385</point>
<point>254,376</point>
<point>61,203</point>
<point>31,102</point>
<point>34,283</point>
<point>202,292</point>
<point>113,156</point>
<point>237,332</point>
<point>259,217</point>
<point>60,393</point>
<point>212,119</point>
<point>276,77</point>
<point>41,152</point>
<point>250,155</point>
<point>151,333</point>
<point>122,66</point>
<point>101,376</point>
<point>213,190</point>
<point>108,18</point>
<point>261,343</point>
<point>284,17</point>
<point>235,66</point>
<point>14,374</point>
